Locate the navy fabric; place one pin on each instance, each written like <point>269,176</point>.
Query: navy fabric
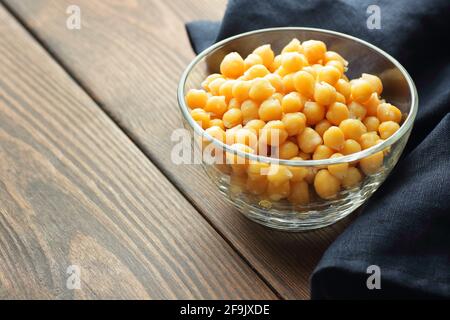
<point>405,227</point>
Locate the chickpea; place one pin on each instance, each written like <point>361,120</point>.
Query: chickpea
<point>257,169</point>
<point>350,146</point>
<point>340,98</point>
<point>298,173</point>
<point>299,193</point>
<point>329,75</point>
<point>338,170</point>
<point>217,123</point>
<point>371,123</point>
<point>257,71</point>
<point>276,81</point>
<point>230,134</point>
<point>287,150</point>
<point>215,85</point>
<point>278,174</point>
<point>246,137</point>
<point>374,81</point>
<point>232,65</point>
<point>255,125</point>
<point>337,112</point>
<point>288,83</point>
<point>201,117</point>
<point>314,50</point>
<point>270,109</point>
<point>293,46</point>
<point>334,56</point>
<point>308,140</point>
<point>311,175</point>
<point>304,83</point>
<point>352,128</point>
<point>322,126</point>
<point>249,110</point>
<point>304,155</point>
<point>361,90</point>
<point>266,54</point>
<point>216,105</point>
<point>334,138</point>
<point>356,111</point>
<point>276,63</point>
<point>352,178</point>
<point>322,152</point>
<point>339,66</point>
<point>314,112</point>
<point>234,103</point>
<point>241,90</point>
<point>196,98</point>
<point>324,93</point>
<point>326,185</point>
<point>277,192</point>
<point>238,164</point>
<point>293,61</point>
<point>344,88</point>
<point>388,112</point>
<point>295,123</point>
<point>252,60</point>
<point>387,129</point>
<point>369,139</point>
<point>261,89</point>
<point>371,164</point>
<point>274,133</point>
<point>292,102</point>
<point>232,118</point>
<point>209,79</point>
<point>216,132</point>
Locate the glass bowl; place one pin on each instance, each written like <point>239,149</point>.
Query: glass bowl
<point>277,211</point>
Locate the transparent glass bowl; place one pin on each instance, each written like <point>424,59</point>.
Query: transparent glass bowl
<point>363,57</point>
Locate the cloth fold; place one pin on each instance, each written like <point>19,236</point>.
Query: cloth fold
<point>405,227</point>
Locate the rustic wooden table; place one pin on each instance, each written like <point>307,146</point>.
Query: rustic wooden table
<point>85,180</point>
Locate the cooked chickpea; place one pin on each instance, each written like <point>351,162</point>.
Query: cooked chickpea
<point>196,98</point>
<point>299,193</point>
<point>252,60</point>
<point>276,81</point>
<point>388,112</point>
<point>295,123</point>
<point>232,118</point>
<point>214,86</point>
<point>372,105</point>
<point>288,82</point>
<point>352,128</point>
<point>216,132</point>
<point>261,89</point>
<point>241,90</point>
<point>337,112</point>
<point>256,71</point>
<point>334,138</point>
<point>344,88</point>
<point>356,111</point>
<point>292,102</point>
<point>326,185</point>
<point>338,170</point>
<point>226,89</point>
<point>217,122</point>
<point>374,81</point>
<point>216,105</point>
<point>339,66</point>
<point>334,56</point>
<point>276,192</point>
<point>257,169</point>
<point>201,117</point>
<point>287,150</point>
<point>232,65</point>
<point>308,140</point>
<point>314,112</point>
<point>304,83</point>
<point>255,125</point>
<point>278,174</point>
<point>230,134</point>
<point>352,178</point>
<point>322,152</point>
<point>209,79</point>
<point>274,133</point>
<point>314,50</point>
<point>257,186</point>
<point>322,126</point>
<point>324,93</point>
<point>350,146</point>
<point>276,63</point>
<point>238,164</point>
<point>293,61</point>
<point>329,75</point>
<point>387,129</point>
<point>270,109</point>
<point>371,164</point>
<point>361,90</point>
<point>369,139</point>
<point>233,103</point>
<point>371,123</point>
<point>249,110</point>
<point>298,173</point>
<point>266,54</point>
<point>293,46</point>
<point>246,137</point>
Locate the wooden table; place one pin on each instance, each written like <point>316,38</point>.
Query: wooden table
<point>87,189</point>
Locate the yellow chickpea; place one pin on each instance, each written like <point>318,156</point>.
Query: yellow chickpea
<point>344,88</point>
<point>256,71</point>
<point>226,89</point>
<point>241,90</point>
<point>278,96</point>
<point>340,98</point>
<point>249,110</point>
<point>374,81</point>
<point>292,102</point>
<point>261,89</point>
<point>238,164</point>
<point>324,93</point>
<point>338,65</point>
<point>274,133</point>
<point>232,118</point>
<point>252,60</point>
<point>298,173</point>
<point>304,155</point>
<point>371,123</point>
<point>201,117</point>
<point>314,50</point>
<point>350,146</point>
<point>388,112</point>
<point>304,83</point>
<point>352,128</point>
<point>288,83</point>
<point>246,137</point>
<point>326,185</point>
<point>232,65</point>
<point>255,125</point>
<point>276,81</point>
<point>334,56</point>
<point>361,90</point>
<point>256,170</point>
<point>293,61</point>
<point>308,140</point>
<point>371,164</point>
<point>352,178</point>
<point>287,150</point>
<point>329,75</point>
<point>257,186</point>
<point>322,126</point>
<point>369,139</point>
<point>337,112</point>
<point>216,105</point>
<point>356,111</point>
<point>266,54</point>
<point>295,123</point>
<point>334,138</point>
<point>233,103</point>
<point>299,193</point>
<point>276,63</point>
<point>322,152</point>
<point>196,98</point>
<point>278,174</point>
<point>209,79</point>
<point>214,86</point>
<point>216,132</point>
<point>270,109</point>
<point>293,46</point>
<point>230,134</point>
<point>338,170</point>
<point>276,192</point>
<point>314,112</point>
<point>387,129</point>
<point>217,123</point>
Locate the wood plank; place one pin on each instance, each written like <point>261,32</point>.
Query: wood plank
<point>74,190</point>
<point>130,55</point>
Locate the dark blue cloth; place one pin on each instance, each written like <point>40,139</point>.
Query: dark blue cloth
<point>405,227</point>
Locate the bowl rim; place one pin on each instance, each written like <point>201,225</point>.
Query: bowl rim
<point>404,128</point>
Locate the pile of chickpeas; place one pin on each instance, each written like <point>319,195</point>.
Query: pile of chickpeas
<point>302,98</point>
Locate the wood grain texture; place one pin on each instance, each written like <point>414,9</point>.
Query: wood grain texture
<point>74,190</point>
<point>130,55</point>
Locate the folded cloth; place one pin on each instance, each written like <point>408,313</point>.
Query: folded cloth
<point>405,227</point>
